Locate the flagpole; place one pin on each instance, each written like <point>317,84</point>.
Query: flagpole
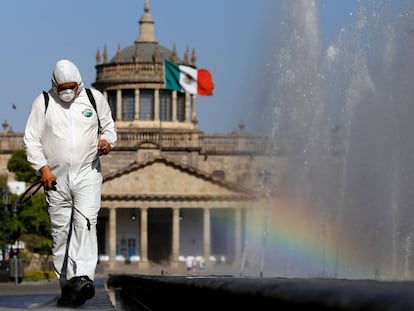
<point>160,136</point>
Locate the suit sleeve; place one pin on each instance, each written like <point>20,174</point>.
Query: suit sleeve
<point>108,130</point>
<point>33,134</point>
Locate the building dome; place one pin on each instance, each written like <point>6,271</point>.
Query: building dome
<point>146,48</point>
<point>146,53</point>
<point>133,81</point>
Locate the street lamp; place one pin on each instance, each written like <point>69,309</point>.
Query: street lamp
<point>5,217</point>
<point>4,214</point>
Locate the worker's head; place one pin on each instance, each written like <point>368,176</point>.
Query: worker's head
<point>66,80</point>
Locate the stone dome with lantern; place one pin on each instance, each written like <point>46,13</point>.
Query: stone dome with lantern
<point>133,81</point>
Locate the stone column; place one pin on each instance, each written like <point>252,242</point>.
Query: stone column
<point>194,107</point>
<point>187,108</point>
<point>174,106</point>
<point>119,104</point>
<point>175,237</point>
<point>112,236</point>
<point>238,242</point>
<point>206,234</point>
<point>137,105</point>
<point>144,238</point>
<point>156,105</point>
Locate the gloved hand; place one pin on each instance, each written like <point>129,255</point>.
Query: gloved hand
<point>47,178</point>
<point>103,147</point>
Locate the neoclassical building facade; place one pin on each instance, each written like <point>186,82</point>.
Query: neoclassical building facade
<point>170,190</point>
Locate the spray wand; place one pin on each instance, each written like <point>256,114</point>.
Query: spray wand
<point>23,200</point>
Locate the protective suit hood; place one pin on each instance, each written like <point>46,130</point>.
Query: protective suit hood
<point>66,71</point>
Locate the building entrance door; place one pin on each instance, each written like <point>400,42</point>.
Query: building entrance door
<point>159,234</point>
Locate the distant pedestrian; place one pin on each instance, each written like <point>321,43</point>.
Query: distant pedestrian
<point>189,262</point>
<point>195,263</point>
<point>201,264</point>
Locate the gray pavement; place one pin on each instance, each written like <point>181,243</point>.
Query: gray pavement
<point>42,295</point>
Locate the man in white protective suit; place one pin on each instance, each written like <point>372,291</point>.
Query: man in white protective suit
<point>63,142</point>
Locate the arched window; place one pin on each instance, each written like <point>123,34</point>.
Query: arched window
<point>180,107</point>
<point>146,101</point>
<point>165,105</point>
<point>128,106</point>
<point>112,102</point>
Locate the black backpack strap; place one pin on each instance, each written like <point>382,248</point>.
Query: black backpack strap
<point>92,100</point>
<point>46,96</point>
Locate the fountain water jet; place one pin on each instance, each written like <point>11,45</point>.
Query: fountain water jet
<point>341,131</point>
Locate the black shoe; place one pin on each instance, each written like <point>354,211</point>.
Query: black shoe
<point>76,292</point>
<point>83,290</point>
<point>67,296</point>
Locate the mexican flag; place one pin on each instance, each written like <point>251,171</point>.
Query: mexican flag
<point>188,79</point>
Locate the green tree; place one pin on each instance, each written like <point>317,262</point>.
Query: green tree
<point>19,165</point>
<point>34,223</point>
<point>3,182</point>
<point>28,222</point>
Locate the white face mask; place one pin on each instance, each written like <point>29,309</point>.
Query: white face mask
<point>67,95</point>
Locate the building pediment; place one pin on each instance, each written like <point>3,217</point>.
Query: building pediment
<point>164,179</point>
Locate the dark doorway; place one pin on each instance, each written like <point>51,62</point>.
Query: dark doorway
<point>100,229</point>
<point>222,232</point>
<point>159,234</point>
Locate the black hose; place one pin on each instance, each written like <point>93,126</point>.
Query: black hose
<point>24,200</point>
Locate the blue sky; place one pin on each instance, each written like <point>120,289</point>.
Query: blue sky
<point>229,37</point>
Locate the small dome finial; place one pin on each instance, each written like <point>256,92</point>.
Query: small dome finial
<point>194,58</point>
<point>119,54</point>
<point>105,55</point>
<point>174,56</point>
<point>5,126</point>
<point>136,54</point>
<point>98,56</point>
<point>146,26</point>
<point>187,57</point>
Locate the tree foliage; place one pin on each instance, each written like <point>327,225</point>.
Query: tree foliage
<point>29,222</point>
<point>19,165</point>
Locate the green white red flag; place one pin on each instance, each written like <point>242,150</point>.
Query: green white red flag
<point>188,79</point>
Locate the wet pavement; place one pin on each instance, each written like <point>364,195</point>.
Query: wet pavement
<point>43,295</point>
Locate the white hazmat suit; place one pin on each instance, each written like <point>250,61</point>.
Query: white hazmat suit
<point>64,138</point>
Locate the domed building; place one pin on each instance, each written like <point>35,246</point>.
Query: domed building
<point>170,190</point>
<point>133,81</point>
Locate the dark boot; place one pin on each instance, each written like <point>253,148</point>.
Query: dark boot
<point>67,296</point>
<point>76,292</point>
<point>83,290</point>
